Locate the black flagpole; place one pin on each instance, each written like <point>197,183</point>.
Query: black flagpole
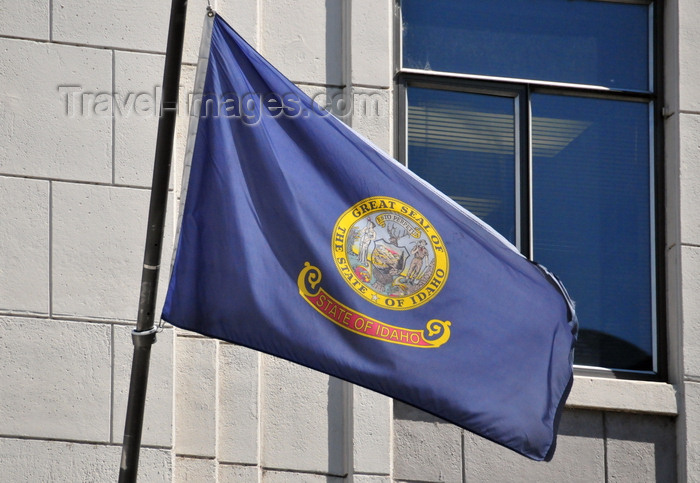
<point>145,333</point>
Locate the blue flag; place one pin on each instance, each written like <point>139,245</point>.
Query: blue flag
<point>301,239</point>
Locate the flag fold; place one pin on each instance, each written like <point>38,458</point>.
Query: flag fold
<point>300,239</point>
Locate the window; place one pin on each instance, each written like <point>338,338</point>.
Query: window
<point>539,117</point>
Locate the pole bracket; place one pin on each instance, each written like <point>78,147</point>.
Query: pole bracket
<point>143,338</point>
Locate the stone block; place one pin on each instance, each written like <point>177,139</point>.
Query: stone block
<point>55,379</point>
<point>640,447</point>
<point>58,461</point>
<point>55,111</point>
<point>371,32</point>
<point>188,470</point>
<point>425,448</point>
<point>238,474</point>
<point>690,269</point>
<point>373,116</point>
<point>158,413</point>
<point>371,431</point>
<point>155,465</point>
<point>244,17</point>
<point>20,18</point>
<point>367,111</point>
<point>672,165</point>
<point>579,457</point>
<point>688,46</point>
<point>304,54</point>
<point>674,310</point>
<point>239,419</point>
<point>123,25</point>
<point>138,81</point>
<point>195,397</point>
<point>690,443</point>
<point>196,11</point>
<point>690,178</point>
<point>670,66</point>
<point>371,479</point>
<point>24,245</point>
<point>302,419</point>
<point>271,476</point>
<point>99,235</point>
<point>330,99</point>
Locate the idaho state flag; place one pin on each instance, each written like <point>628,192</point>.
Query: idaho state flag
<point>302,240</point>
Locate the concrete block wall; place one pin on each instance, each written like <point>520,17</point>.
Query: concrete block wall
<point>79,85</point>
<point>592,446</point>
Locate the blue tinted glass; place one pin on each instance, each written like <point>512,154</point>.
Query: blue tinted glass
<point>464,144</point>
<point>595,43</point>
<point>591,220</point>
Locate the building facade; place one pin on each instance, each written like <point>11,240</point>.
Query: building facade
<point>79,90</point>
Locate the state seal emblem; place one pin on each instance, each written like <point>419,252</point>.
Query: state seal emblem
<point>389,253</point>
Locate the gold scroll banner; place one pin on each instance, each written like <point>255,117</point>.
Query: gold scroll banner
<point>435,334</point>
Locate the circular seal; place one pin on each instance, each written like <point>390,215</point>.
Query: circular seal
<point>389,253</point>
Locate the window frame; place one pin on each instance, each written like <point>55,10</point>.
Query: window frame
<point>521,90</point>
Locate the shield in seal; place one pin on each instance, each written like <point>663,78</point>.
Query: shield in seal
<point>388,262</point>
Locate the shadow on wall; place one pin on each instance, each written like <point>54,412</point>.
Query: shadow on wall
<point>336,427</point>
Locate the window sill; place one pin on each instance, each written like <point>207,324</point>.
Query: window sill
<point>623,395</point>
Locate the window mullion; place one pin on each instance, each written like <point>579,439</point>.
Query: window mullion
<point>523,172</point>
